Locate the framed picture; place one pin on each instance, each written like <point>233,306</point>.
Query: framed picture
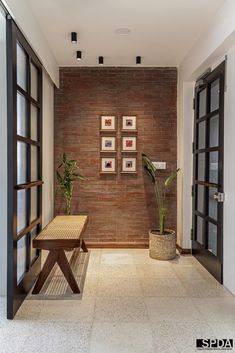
<point>129,123</point>
<point>129,144</point>
<point>108,165</point>
<point>128,165</point>
<point>108,144</point>
<point>108,123</point>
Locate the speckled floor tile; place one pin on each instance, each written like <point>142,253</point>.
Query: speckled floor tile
<point>162,287</point>
<point>204,289</point>
<point>171,309</point>
<point>130,303</point>
<point>216,309</point>
<point>30,310</point>
<point>121,338</point>
<point>119,287</point>
<point>119,257</point>
<point>59,338</point>
<point>90,286</point>
<point>68,310</point>
<point>120,309</point>
<point>155,271</point>
<point>179,337</point>
<point>189,273</point>
<point>224,330</point>
<point>118,271</point>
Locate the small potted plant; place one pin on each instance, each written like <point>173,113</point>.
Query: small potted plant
<point>162,241</point>
<point>67,173</point>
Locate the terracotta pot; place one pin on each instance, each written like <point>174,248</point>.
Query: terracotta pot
<point>162,247</point>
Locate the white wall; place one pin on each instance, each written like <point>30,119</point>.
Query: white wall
<point>23,16</point>
<point>3,155</point>
<point>185,163</point>
<point>229,174</point>
<point>48,150</point>
<point>215,43</point>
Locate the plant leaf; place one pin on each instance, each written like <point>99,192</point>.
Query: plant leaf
<point>171,178</point>
<point>59,178</point>
<point>79,176</point>
<point>149,167</point>
<point>64,157</point>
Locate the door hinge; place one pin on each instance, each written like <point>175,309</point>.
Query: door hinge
<point>191,233</point>
<point>194,105</point>
<point>193,145</point>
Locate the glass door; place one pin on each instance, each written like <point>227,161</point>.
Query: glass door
<point>208,172</point>
<point>24,166</point>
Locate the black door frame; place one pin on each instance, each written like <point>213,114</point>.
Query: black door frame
<point>214,264</point>
<point>16,293</point>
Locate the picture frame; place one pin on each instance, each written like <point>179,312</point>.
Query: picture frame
<point>108,165</point>
<point>108,144</point>
<point>129,123</point>
<point>108,123</point>
<point>129,165</point>
<point>129,144</point>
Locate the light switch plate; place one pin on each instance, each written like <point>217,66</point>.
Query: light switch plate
<point>159,165</point>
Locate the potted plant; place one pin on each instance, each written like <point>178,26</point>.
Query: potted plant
<point>67,173</point>
<point>162,241</point>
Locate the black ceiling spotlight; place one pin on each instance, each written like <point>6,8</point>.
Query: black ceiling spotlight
<point>138,60</point>
<point>74,37</point>
<point>79,55</point>
<point>101,60</point>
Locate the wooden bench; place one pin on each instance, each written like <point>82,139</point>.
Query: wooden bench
<point>63,233</point>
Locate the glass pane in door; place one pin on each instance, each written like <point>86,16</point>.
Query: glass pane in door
<point>214,95</point>
<point>213,204</point>
<point>21,162</point>
<point>202,103</point>
<point>21,258</point>
<point>214,131</point>
<point>21,211</point>
<point>213,167</point>
<point>34,123</point>
<point>200,198</point>
<point>201,135</point>
<point>21,64</point>
<point>212,238</point>
<point>201,166</point>
<point>21,115</point>
<point>34,203</point>
<point>34,163</point>
<point>200,223</point>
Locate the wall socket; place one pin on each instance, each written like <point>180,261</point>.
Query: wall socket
<point>159,165</point>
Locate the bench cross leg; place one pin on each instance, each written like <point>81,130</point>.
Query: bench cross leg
<point>48,265</point>
<point>61,259</point>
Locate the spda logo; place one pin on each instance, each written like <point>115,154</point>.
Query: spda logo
<point>216,344</point>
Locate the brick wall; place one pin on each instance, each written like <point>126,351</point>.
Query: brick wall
<point>121,207</point>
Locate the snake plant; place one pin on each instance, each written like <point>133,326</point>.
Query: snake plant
<point>160,190</point>
<point>67,173</point>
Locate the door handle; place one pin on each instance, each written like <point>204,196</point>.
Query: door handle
<point>219,196</point>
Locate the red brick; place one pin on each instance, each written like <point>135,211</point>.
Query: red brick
<point>122,207</point>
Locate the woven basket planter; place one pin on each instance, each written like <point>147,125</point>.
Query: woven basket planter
<point>162,247</point>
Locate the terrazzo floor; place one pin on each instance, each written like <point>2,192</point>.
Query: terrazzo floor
<point>130,304</point>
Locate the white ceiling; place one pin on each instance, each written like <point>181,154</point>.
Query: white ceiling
<point>162,31</point>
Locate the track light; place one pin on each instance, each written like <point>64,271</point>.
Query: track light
<point>74,37</point>
<point>101,60</point>
<point>79,55</point>
<point>138,60</point>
